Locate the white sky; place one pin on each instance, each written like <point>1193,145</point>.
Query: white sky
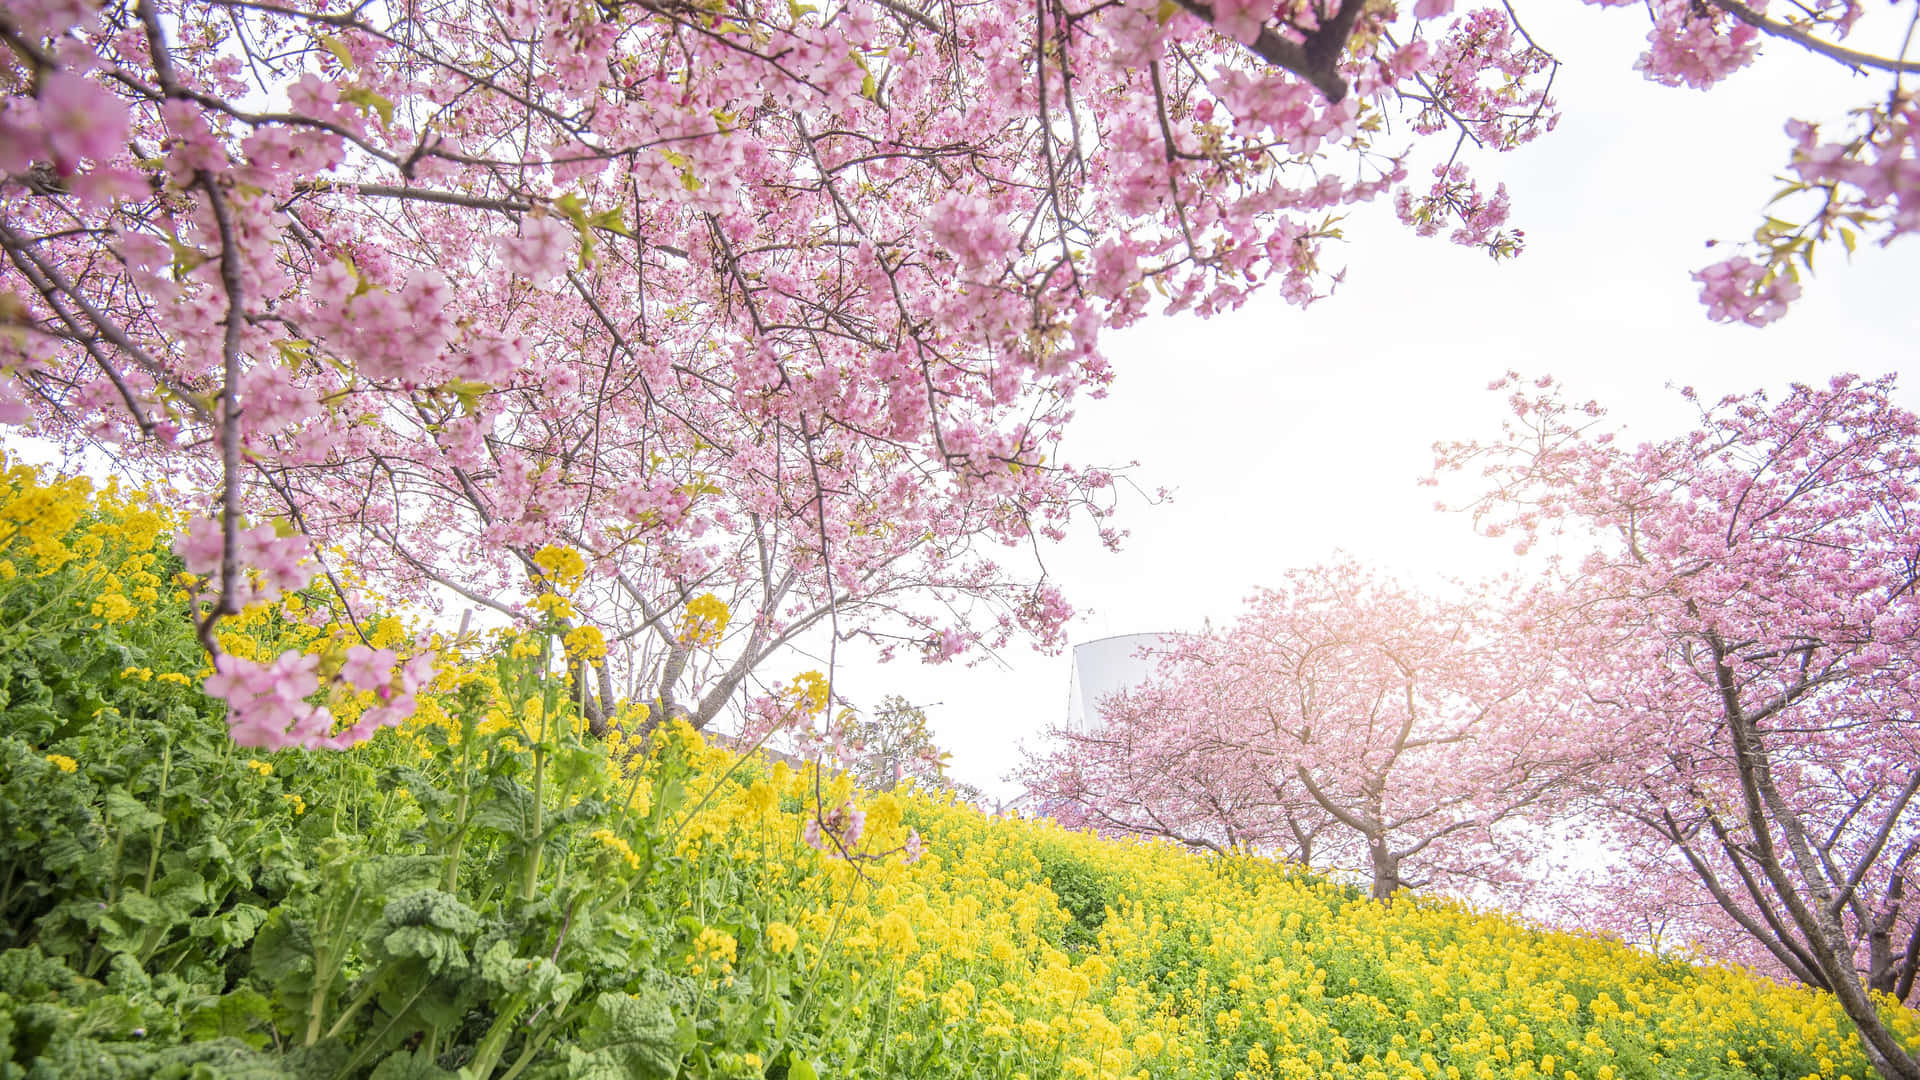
<point>1288,434</point>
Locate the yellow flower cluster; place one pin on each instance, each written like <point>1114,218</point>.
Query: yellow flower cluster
<point>48,523</point>
<point>147,674</point>
<point>585,643</point>
<point>553,605</point>
<point>714,951</point>
<point>810,693</point>
<point>563,566</point>
<point>611,840</point>
<point>36,514</point>
<point>1189,966</point>
<point>704,621</point>
<point>781,937</point>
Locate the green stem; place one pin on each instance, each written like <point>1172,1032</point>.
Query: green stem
<point>530,886</point>
<point>113,883</point>
<point>494,1042</point>
<point>469,728</point>
<point>160,830</point>
<point>813,977</point>
<point>6,890</point>
<point>534,1045</point>
<point>354,1061</point>
<point>364,996</point>
<point>325,966</point>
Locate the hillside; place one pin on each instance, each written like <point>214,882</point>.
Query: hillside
<point>488,892</point>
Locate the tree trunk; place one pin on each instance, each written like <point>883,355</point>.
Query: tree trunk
<point>1386,868</point>
<point>599,723</point>
<point>1807,900</point>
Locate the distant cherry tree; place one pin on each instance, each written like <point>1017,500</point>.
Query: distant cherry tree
<point>1344,720</point>
<point>1741,604</point>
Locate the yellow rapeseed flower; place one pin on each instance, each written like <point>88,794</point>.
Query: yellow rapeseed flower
<point>612,842</point>
<point>585,643</point>
<point>553,605</point>
<point>562,565</point>
<point>713,950</point>
<point>704,620</point>
<point>781,938</point>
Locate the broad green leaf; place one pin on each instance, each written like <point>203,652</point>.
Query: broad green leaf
<point>339,50</point>
<point>369,102</point>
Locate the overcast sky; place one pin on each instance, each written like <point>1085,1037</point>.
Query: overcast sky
<point>1287,434</point>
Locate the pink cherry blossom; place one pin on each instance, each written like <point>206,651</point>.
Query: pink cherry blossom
<point>540,252</point>
<point>1736,290</point>
<point>1736,617</point>
<point>368,668</point>
<point>793,309</point>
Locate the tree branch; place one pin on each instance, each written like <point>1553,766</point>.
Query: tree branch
<point>1850,57</point>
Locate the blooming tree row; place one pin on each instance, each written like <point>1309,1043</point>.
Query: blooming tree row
<point>1345,721</point>
<point>1713,674</point>
<point>1747,615</point>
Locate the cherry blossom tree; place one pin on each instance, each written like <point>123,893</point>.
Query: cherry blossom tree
<point>1344,720</point>
<point>1741,608</point>
<point>1156,765</point>
<point>784,303</point>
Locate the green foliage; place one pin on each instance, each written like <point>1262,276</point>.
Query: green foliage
<point>1083,891</point>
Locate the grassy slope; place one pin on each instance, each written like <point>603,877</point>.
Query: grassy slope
<point>175,907</point>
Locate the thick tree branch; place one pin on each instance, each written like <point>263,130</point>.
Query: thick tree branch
<point>1851,57</point>
<point>1316,60</point>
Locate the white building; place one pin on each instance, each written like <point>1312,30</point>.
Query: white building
<point>1108,666</point>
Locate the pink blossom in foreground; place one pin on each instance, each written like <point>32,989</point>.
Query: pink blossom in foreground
<point>368,668</point>
<point>1733,292</point>
<point>843,825</point>
<point>81,120</point>
<point>267,706</point>
<point>540,252</point>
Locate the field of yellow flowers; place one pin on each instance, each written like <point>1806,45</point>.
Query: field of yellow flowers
<point>489,892</point>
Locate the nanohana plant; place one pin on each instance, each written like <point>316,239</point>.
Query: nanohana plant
<point>487,893</point>
<point>784,304</point>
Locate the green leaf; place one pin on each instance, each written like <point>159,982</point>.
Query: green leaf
<point>185,257</point>
<point>627,1037</point>
<point>244,1014</point>
<point>569,204</point>
<point>181,893</point>
<point>339,50</point>
<point>410,1065</point>
<point>369,102</point>
<point>230,929</point>
<point>283,950</point>
<point>430,927</point>
<point>612,221</point>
